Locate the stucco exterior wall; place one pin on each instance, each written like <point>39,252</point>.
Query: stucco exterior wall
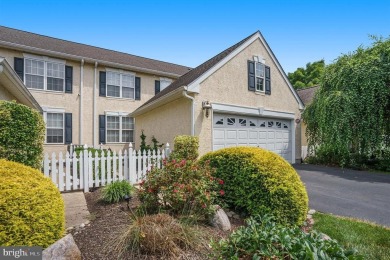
<point>70,102</point>
<point>5,95</point>
<point>165,122</point>
<point>229,85</point>
<point>303,134</point>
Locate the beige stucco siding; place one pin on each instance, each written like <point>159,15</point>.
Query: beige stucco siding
<point>165,122</point>
<point>303,134</point>
<point>229,85</point>
<point>70,102</point>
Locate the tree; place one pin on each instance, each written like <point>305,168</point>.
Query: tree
<point>349,117</point>
<point>309,76</point>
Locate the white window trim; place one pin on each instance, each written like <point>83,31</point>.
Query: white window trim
<point>57,111</point>
<point>169,81</point>
<point>45,60</point>
<point>120,115</point>
<point>121,72</point>
<point>259,60</point>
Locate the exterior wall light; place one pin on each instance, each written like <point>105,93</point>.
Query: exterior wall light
<point>206,105</point>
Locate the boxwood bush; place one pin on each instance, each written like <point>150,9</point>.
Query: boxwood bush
<point>258,181</point>
<point>22,133</point>
<point>31,207</point>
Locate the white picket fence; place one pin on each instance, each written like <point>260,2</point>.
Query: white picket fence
<point>85,170</point>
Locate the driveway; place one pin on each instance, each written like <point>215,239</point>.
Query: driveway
<point>358,194</point>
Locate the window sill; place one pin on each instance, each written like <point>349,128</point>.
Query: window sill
<point>260,93</point>
<point>119,98</point>
<point>47,91</point>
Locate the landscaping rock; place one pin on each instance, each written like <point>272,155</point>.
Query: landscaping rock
<point>309,216</point>
<point>64,249</point>
<point>221,220</point>
<point>230,214</point>
<point>82,225</point>
<point>312,211</point>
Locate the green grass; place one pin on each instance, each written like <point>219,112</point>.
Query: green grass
<point>371,241</point>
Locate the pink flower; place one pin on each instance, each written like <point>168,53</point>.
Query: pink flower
<point>204,206</point>
<point>221,182</point>
<point>175,191</point>
<point>142,182</point>
<point>222,192</point>
<point>150,190</point>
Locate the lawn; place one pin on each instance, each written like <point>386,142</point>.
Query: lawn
<point>371,241</point>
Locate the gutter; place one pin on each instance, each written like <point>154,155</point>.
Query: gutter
<point>185,94</point>
<point>81,101</point>
<point>94,106</point>
<point>89,60</point>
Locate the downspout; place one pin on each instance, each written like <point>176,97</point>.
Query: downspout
<point>94,106</point>
<point>81,102</point>
<point>185,94</point>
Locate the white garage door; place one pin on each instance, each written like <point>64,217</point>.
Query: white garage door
<point>268,133</point>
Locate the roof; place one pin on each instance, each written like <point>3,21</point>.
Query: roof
<point>13,84</point>
<point>26,40</point>
<point>195,73</point>
<point>307,94</point>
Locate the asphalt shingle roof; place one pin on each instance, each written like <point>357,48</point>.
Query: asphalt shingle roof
<point>10,35</point>
<point>307,94</point>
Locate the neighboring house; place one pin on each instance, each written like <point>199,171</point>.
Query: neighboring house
<point>239,97</point>
<point>306,95</point>
<point>12,88</point>
<point>86,93</point>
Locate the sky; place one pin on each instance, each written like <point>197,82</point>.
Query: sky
<point>190,32</point>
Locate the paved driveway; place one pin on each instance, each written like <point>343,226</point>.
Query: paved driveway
<point>349,193</point>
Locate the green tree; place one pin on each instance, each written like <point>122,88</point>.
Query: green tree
<point>349,117</point>
<point>309,76</point>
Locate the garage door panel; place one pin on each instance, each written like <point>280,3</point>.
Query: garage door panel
<point>231,134</point>
<point>218,146</point>
<point>271,135</point>
<point>219,134</point>
<point>253,134</point>
<point>243,134</point>
<point>262,134</point>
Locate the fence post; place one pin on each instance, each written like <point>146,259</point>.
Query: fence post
<point>130,173</point>
<point>167,150</point>
<point>86,172</point>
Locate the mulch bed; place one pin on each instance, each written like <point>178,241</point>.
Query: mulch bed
<point>109,221</point>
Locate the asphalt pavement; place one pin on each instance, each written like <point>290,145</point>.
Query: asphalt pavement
<point>358,194</point>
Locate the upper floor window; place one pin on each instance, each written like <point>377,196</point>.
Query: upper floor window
<point>259,71</point>
<point>45,75</point>
<point>120,85</point>
<point>164,82</point>
<point>259,76</point>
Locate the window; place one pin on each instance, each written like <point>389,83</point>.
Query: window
<point>120,129</point>
<point>120,85</point>
<point>242,122</point>
<point>259,73</point>
<point>231,120</point>
<point>270,123</point>
<point>219,122</point>
<point>278,124</point>
<point>55,128</point>
<point>252,123</point>
<point>164,82</point>
<point>45,75</point>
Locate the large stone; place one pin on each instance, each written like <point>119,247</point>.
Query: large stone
<point>63,249</point>
<point>220,220</point>
<point>312,211</point>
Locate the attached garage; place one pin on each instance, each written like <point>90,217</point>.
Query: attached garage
<point>273,134</point>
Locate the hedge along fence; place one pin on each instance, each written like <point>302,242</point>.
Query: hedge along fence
<point>22,133</point>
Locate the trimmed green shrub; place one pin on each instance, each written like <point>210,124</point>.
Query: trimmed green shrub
<point>185,147</point>
<point>22,133</point>
<point>31,207</point>
<point>263,238</point>
<point>258,181</point>
<point>115,192</point>
<point>181,188</point>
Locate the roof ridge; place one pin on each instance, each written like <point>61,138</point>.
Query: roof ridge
<point>308,87</point>
<point>84,44</point>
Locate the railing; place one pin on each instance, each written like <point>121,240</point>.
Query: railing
<point>83,170</point>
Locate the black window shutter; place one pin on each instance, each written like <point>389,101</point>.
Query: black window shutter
<point>102,129</point>
<point>267,80</point>
<point>156,86</point>
<point>137,88</point>
<point>102,83</point>
<point>68,79</point>
<point>251,75</point>
<point>19,67</point>
<point>68,128</point>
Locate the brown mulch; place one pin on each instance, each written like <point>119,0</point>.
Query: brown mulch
<point>109,221</point>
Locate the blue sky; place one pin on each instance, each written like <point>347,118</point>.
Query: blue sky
<point>190,32</point>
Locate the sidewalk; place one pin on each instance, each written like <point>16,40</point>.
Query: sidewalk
<point>76,211</point>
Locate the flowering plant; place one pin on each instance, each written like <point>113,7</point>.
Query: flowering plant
<point>182,187</point>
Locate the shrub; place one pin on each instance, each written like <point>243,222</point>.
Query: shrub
<point>22,133</point>
<point>146,147</point>
<point>31,207</point>
<point>160,235</point>
<point>180,187</point>
<point>258,181</point>
<point>185,147</point>
<point>263,238</point>
<point>115,192</point>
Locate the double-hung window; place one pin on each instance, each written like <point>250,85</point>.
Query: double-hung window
<point>55,128</point>
<point>259,73</point>
<point>44,74</point>
<point>120,85</point>
<point>120,129</point>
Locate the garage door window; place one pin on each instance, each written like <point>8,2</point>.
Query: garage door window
<point>285,126</point>
<point>278,124</point>
<point>242,122</point>
<point>270,123</point>
<point>231,121</point>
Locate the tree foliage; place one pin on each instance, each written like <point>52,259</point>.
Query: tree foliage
<point>309,76</point>
<point>350,114</point>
